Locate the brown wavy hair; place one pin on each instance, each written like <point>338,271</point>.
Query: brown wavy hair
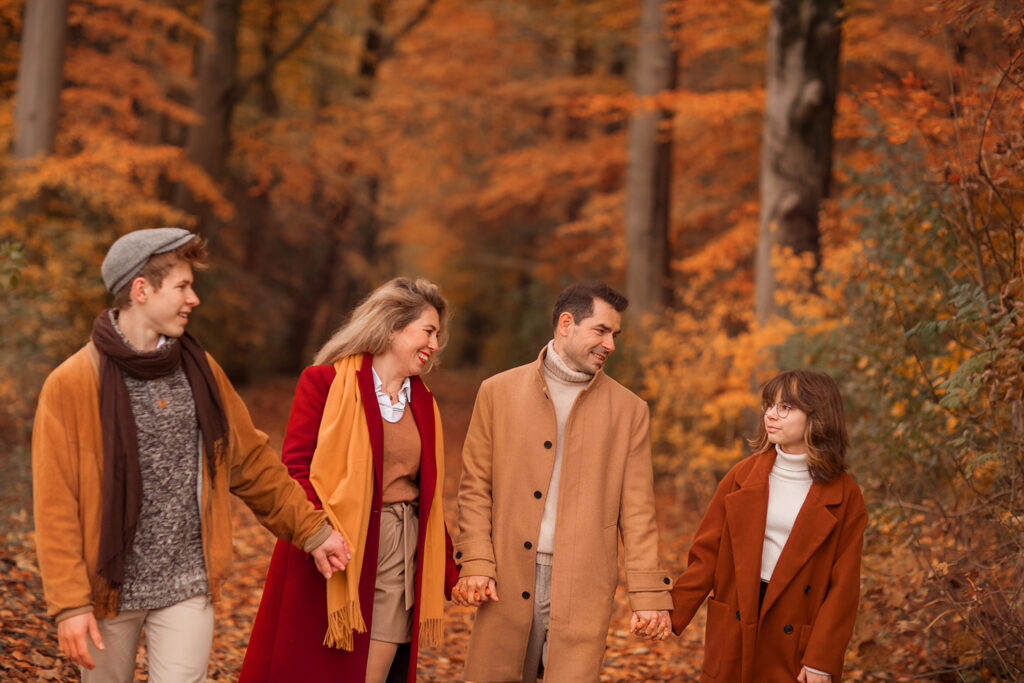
<point>192,252</point>
<point>825,434</point>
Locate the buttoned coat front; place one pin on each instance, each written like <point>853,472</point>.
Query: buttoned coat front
<point>605,489</point>
<point>811,603</point>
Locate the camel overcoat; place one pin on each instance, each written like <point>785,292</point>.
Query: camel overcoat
<point>809,609</point>
<point>606,489</point>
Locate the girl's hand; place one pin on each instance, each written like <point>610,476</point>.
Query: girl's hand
<point>811,677</point>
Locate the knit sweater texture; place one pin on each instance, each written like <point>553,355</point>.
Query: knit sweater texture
<point>165,564</point>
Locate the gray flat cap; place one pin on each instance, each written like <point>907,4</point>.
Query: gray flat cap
<point>129,253</point>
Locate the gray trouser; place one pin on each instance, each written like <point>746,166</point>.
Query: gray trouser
<point>537,645</point>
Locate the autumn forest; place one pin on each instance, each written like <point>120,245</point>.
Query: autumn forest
<point>793,183</point>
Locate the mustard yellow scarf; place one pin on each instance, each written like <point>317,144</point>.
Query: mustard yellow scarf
<point>342,475</point>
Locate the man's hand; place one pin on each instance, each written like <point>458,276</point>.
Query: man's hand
<point>649,624</point>
<point>71,636</point>
<point>474,590</point>
<point>811,677</point>
<point>332,555</point>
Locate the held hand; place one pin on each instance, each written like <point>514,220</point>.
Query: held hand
<point>811,677</point>
<point>474,590</point>
<point>71,637</point>
<point>332,555</point>
<point>650,624</point>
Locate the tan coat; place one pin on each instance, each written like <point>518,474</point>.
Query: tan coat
<point>811,604</point>
<point>605,489</point>
<point>67,482</point>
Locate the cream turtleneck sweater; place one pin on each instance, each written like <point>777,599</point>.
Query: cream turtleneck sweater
<point>788,484</point>
<point>564,385</point>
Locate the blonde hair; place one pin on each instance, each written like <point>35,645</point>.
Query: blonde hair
<point>388,309</point>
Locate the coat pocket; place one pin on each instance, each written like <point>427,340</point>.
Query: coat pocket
<point>801,645</point>
<point>722,640</point>
<point>611,555</point>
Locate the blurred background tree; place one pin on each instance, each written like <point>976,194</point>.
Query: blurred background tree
<point>781,184</point>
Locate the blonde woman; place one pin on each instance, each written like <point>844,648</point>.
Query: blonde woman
<point>364,440</point>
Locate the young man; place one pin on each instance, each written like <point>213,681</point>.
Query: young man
<point>138,439</point>
<point>556,465</point>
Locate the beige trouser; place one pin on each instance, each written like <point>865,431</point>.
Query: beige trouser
<point>178,640</point>
<point>537,645</point>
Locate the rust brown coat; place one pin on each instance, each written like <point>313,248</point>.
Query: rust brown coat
<point>811,604</point>
<point>67,482</point>
<point>605,490</point>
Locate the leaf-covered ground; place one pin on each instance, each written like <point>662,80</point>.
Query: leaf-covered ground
<point>28,646</point>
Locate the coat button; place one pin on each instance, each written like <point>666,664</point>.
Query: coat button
<point>547,444</point>
<point>668,582</point>
<point>458,555</point>
<point>537,494</point>
<point>788,628</point>
<point>737,615</point>
<point>526,595</point>
<point>527,545</point>
<point>807,590</point>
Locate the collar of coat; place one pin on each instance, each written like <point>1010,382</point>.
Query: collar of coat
<point>538,366</point>
<point>746,510</point>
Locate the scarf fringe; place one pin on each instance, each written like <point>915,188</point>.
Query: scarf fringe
<point>342,624</point>
<point>432,633</point>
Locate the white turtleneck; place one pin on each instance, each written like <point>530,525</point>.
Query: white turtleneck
<point>564,385</point>
<point>788,484</point>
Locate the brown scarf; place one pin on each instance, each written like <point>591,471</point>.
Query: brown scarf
<point>122,478</point>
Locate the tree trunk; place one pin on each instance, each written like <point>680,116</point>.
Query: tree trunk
<point>40,77</point>
<point>209,141</point>
<point>796,152</point>
<point>649,171</point>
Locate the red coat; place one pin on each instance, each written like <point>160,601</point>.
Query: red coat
<point>287,636</point>
<point>809,610</point>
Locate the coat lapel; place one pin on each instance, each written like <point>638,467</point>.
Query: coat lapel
<point>813,525</point>
<point>423,411</point>
<point>746,510</point>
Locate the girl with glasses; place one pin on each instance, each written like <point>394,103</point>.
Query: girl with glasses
<point>779,547</point>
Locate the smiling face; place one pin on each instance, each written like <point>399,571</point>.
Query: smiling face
<point>165,309</point>
<point>786,432</point>
<point>412,346</point>
<point>586,345</point>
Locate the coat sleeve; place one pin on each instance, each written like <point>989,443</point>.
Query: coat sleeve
<point>60,545</point>
<point>257,476</point>
<point>474,548</point>
<point>647,581</point>
<point>304,426</point>
<point>694,584</point>
<point>833,625</point>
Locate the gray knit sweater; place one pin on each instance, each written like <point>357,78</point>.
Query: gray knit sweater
<point>165,564</point>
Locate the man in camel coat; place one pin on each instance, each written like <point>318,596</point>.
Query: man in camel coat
<point>556,465</point>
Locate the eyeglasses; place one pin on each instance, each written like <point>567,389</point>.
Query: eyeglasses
<point>781,409</point>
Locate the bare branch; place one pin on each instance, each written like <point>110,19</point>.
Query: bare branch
<point>388,48</point>
<point>238,90</point>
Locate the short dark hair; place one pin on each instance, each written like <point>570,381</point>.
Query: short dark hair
<point>192,252</point>
<point>578,300</point>
<point>825,434</point>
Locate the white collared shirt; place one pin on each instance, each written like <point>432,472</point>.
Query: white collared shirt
<point>392,412</point>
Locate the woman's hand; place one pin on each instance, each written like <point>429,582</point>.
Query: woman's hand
<point>807,676</point>
<point>474,590</point>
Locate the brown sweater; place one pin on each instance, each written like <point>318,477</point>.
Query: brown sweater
<point>400,480</point>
